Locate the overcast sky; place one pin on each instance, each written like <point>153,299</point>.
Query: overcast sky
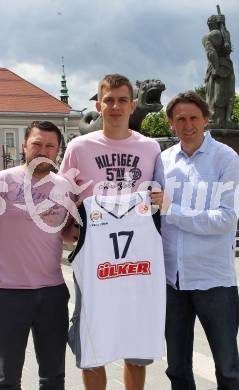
<point>139,38</point>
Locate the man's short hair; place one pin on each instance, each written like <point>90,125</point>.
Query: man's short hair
<point>114,81</point>
<point>44,126</point>
<point>188,97</point>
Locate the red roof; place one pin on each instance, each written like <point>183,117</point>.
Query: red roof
<point>18,95</point>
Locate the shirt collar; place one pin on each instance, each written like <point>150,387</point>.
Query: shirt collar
<point>204,148</point>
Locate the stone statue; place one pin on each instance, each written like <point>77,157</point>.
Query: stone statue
<point>220,78</point>
<point>147,95</point>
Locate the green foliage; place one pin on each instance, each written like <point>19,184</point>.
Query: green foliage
<point>200,90</point>
<point>156,125</point>
<point>235,111</point>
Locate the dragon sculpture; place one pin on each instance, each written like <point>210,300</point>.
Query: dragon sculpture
<point>147,96</point>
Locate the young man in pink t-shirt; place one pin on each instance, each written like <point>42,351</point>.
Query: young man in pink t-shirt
<point>33,295</point>
<point>114,160</point>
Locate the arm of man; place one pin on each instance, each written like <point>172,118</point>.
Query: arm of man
<point>70,165</point>
<point>158,196</point>
<point>71,231</point>
<point>222,215</point>
<point>69,160</point>
<point>158,175</point>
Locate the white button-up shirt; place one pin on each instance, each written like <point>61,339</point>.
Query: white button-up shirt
<point>200,226</point>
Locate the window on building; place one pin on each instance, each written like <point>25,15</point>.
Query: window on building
<point>10,139</point>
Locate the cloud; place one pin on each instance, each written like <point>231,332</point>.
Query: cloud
<point>153,39</point>
<point>36,73</point>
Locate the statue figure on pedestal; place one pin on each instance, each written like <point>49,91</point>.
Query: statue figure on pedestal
<point>220,77</point>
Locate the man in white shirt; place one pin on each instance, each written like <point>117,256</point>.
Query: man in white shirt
<point>202,182</point>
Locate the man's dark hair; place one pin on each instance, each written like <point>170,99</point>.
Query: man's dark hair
<point>188,97</point>
<point>44,126</point>
<point>114,81</point>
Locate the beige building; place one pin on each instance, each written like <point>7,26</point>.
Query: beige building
<point>21,102</point>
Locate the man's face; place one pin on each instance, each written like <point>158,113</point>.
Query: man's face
<point>188,124</point>
<point>41,144</point>
<point>116,106</point>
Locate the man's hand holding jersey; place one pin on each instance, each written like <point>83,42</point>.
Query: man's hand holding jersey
<point>160,200</point>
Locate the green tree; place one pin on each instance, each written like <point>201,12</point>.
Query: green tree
<point>156,125</point>
<point>235,111</point>
<point>200,90</point>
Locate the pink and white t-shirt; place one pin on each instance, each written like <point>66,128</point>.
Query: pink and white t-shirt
<point>113,166</point>
<point>30,225</point>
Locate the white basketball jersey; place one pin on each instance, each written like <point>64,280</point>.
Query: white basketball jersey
<point>119,267</point>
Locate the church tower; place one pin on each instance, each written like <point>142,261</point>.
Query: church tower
<point>64,91</point>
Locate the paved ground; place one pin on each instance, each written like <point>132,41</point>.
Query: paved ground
<point>156,378</point>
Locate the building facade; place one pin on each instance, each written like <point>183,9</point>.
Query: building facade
<point>21,102</point>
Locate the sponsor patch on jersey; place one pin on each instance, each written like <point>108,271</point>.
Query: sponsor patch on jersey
<point>108,270</point>
<point>143,208</point>
<point>96,216</point>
